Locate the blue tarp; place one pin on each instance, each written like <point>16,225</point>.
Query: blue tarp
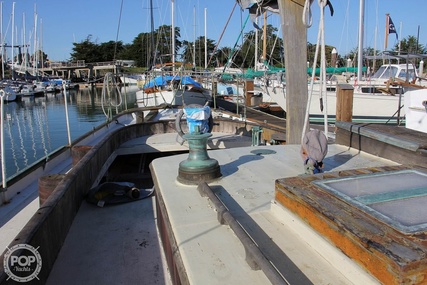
<point>163,80</point>
<point>198,117</point>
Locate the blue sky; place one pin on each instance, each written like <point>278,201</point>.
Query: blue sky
<point>61,22</point>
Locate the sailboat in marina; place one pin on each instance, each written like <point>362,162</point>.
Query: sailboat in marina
<point>377,97</point>
<point>8,94</point>
<point>170,87</point>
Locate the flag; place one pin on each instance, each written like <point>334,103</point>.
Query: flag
<point>392,28</point>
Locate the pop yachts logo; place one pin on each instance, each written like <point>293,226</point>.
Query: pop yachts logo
<point>22,262</point>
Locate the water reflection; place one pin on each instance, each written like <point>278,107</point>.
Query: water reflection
<point>36,126</point>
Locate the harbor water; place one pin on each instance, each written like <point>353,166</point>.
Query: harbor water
<point>36,126</point>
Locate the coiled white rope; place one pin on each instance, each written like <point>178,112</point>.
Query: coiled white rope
<point>322,87</point>
<point>107,94</point>
<point>306,14</point>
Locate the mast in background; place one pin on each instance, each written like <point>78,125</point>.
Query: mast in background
<point>375,38</point>
<point>361,31</point>
<point>153,53</point>
<point>173,34</point>
<point>264,40</point>
<point>194,44</point>
<point>13,39</point>
<point>206,42</point>
<point>35,66</point>
<point>256,45</point>
<point>1,40</point>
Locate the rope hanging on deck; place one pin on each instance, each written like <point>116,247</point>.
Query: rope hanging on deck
<point>321,42</point>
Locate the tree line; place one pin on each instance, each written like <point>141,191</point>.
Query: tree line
<point>148,49</point>
<point>147,52</point>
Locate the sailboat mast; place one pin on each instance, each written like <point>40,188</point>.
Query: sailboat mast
<point>35,42</point>
<point>153,53</point>
<point>361,31</point>
<point>13,39</point>
<point>1,40</point>
<point>264,43</point>
<point>40,44</point>
<point>206,42</point>
<point>173,34</point>
<point>375,38</point>
<point>24,38</point>
<point>256,45</point>
<point>194,44</point>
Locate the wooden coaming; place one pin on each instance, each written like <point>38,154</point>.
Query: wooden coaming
<point>389,255</point>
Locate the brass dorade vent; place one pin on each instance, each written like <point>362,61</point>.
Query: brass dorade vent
<point>397,198</point>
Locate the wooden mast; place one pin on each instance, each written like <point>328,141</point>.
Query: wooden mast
<point>387,24</point>
<point>295,46</point>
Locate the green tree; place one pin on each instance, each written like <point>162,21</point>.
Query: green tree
<point>142,50</point>
<point>139,50</point>
<point>87,50</point>
<point>163,46</point>
<point>222,55</point>
<point>109,51</point>
<point>188,55</point>
<point>41,57</point>
<point>311,52</point>
<point>410,45</point>
<point>273,52</point>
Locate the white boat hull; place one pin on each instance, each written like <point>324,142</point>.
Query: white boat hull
<point>416,110</point>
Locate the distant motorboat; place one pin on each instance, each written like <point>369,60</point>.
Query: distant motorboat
<point>30,90</point>
<point>379,82</point>
<point>131,79</point>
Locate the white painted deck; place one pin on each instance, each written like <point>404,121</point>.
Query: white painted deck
<point>119,244</point>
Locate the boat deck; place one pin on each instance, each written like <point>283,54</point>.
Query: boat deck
<point>210,252</point>
<point>204,250</point>
<point>112,245</point>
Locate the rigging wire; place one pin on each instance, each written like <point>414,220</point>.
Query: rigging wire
<point>235,45</point>
<point>118,29</point>
<point>272,50</point>
<point>220,37</point>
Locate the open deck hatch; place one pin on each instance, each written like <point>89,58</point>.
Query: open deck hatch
<point>397,198</point>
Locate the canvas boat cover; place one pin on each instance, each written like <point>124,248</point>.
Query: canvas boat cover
<point>163,80</point>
